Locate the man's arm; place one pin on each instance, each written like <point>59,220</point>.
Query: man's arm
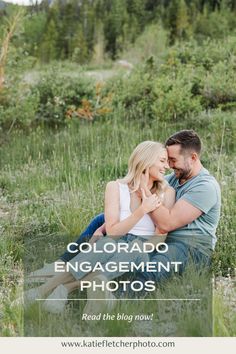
<point>181,214</point>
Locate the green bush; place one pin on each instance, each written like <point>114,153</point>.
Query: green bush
<point>212,25</point>
<point>152,42</point>
<point>206,54</point>
<point>17,108</point>
<point>135,94</point>
<point>191,79</point>
<point>219,85</point>
<point>174,97</point>
<point>163,93</point>
<point>57,92</point>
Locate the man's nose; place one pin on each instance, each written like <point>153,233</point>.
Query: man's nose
<point>171,164</point>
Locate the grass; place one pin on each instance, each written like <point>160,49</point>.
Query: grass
<point>224,316</point>
<point>52,184</point>
<point>163,318</point>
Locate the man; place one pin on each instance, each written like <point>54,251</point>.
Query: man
<point>191,223</point>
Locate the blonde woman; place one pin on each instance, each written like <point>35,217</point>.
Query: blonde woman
<point>128,202</point>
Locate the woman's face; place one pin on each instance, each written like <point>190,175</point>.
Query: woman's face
<point>158,169</point>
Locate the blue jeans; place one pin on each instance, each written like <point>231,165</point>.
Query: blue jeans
<point>114,257</point>
<point>84,237</point>
<point>177,252</point>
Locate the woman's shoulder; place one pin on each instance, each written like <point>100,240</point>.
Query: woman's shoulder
<point>116,185</point>
<point>112,185</point>
<point>168,188</point>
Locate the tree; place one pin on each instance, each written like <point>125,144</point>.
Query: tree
<point>99,47</point>
<point>182,23</point>
<point>48,49</point>
<point>9,31</point>
<point>34,28</point>
<point>80,50</point>
<point>114,26</point>
<point>177,19</point>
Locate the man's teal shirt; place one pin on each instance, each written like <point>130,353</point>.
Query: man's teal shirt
<point>203,192</point>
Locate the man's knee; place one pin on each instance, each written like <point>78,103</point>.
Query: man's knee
<point>100,244</point>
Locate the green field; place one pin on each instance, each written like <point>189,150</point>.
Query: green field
<point>52,183</point>
<point>67,129</point>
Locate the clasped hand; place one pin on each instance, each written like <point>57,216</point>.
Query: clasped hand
<point>149,203</point>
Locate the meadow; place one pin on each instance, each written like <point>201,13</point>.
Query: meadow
<point>52,184</point>
<point>65,135</point>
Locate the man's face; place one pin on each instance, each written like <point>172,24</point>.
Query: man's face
<point>181,162</point>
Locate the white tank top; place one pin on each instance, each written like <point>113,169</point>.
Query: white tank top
<point>145,226</point>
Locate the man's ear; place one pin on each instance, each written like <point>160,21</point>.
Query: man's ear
<point>194,156</point>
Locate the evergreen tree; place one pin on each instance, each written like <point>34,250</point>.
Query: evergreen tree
<point>182,23</point>
<point>88,19</point>
<point>34,28</point>
<point>67,25</point>
<point>48,49</point>
<point>113,27</point>
<point>86,29</point>
<point>178,19</point>
<point>99,47</point>
<point>80,49</point>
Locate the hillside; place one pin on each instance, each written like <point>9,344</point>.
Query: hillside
<point>91,31</point>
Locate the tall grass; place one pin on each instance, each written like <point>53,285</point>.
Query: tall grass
<point>52,183</point>
<point>163,317</point>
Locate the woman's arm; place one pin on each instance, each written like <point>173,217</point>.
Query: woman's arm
<point>114,226</point>
<point>168,202</point>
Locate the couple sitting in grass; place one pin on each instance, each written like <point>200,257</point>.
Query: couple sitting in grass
<point>143,207</point>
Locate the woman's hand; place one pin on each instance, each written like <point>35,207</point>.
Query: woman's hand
<point>144,182</point>
<point>149,203</point>
<point>95,238</point>
<point>99,233</point>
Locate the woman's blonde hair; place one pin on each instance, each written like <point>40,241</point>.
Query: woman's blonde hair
<point>143,157</point>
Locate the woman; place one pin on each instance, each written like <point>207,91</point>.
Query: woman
<point>128,202</point>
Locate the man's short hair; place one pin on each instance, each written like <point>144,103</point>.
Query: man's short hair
<point>187,139</point>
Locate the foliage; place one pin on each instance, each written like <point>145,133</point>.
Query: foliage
<point>152,42</point>
<point>72,30</point>
<point>186,79</point>
<point>217,24</point>
<point>91,109</point>
<point>52,180</point>
<point>57,92</point>
<point>19,110</point>
<point>219,86</point>
<point>10,28</point>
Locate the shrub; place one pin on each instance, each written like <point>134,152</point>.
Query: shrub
<point>17,108</point>
<point>212,25</point>
<point>163,93</point>
<point>134,93</point>
<point>56,92</point>
<point>192,78</point>
<point>152,42</point>
<point>174,97</point>
<point>219,85</point>
<point>206,54</point>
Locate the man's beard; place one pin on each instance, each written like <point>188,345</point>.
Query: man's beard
<point>183,173</point>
